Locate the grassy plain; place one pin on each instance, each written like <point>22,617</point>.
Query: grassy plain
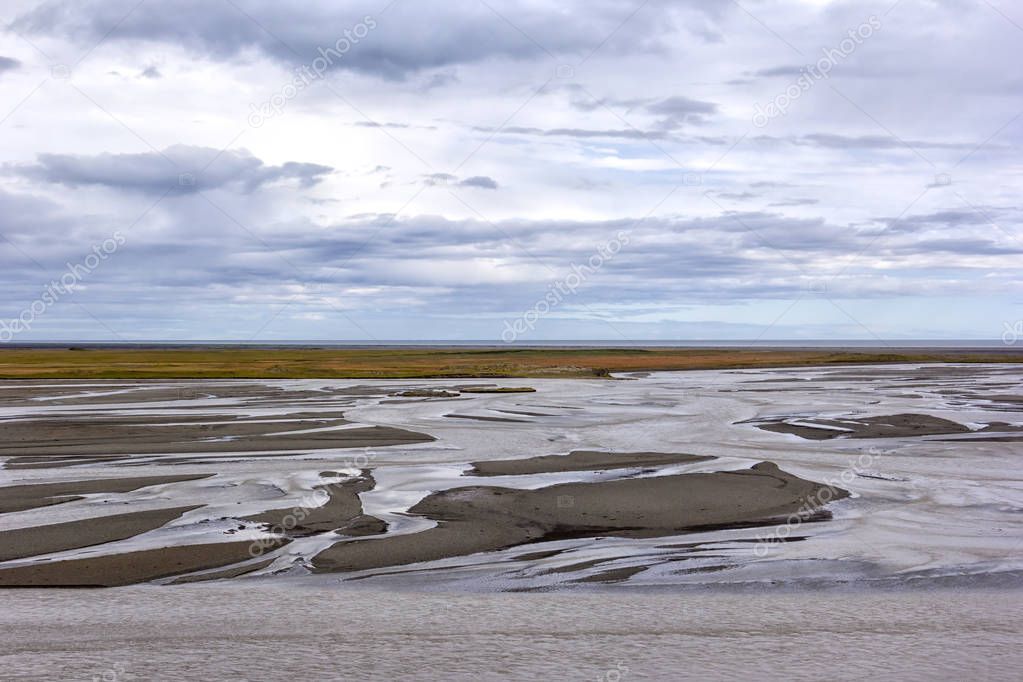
<point>434,362</point>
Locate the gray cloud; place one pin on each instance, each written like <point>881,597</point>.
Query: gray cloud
<point>780,71</point>
<point>678,111</point>
<point>447,179</point>
<point>403,40</point>
<point>480,181</point>
<point>737,196</point>
<point>180,168</point>
<point>795,202</point>
<point>835,141</point>
<point>816,197</point>
<point>8,64</point>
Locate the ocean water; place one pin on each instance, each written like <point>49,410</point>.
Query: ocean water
<point>868,343</point>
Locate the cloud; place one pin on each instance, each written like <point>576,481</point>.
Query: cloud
<point>671,112</point>
<point>818,195</point>
<point>580,133</point>
<point>406,38</point>
<point>787,71</point>
<point>447,179</point>
<point>836,141</point>
<point>8,64</point>
<point>678,111</point>
<point>377,124</point>
<point>438,179</point>
<point>795,202</point>
<point>480,181</point>
<point>180,168</point>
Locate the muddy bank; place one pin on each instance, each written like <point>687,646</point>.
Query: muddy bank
<point>59,537</point>
<point>98,436</point>
<point>341,512</point>
<point>883,426</point>
<point>579,460</point>
<point>482,518</point>
<point>113,570</point>
<point>21,497</point>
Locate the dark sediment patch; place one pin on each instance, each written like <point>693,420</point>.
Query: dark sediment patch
<point>342,512</point>
<point>884,426</point>
<point>526,413</point>
<point>15,463</point>
<point>425,393</point>
<point>580,460</point>
<point>59,537</point>
<point>99,436</point>
<point>112,570</point>
<point>21,497</point>
<point>487,419</point>
<point>612,575</point>
<point>482,518</point>
<point>113,392</point>
<point>497,389</point>
<point>233,572</point>
<point>536,556</point>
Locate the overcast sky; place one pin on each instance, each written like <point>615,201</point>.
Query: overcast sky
<point>456,169</point>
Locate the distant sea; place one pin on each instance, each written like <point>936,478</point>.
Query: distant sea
<point>566,343</point>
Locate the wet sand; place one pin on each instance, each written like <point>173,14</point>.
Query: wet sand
<point>112,570</point>
<point>93,436</point>
<point>342,512</point>
<point>579,460</point>
<point>16,498</point>
<point>482,518</point>
<point>884,426</point>
<point>58,537</point>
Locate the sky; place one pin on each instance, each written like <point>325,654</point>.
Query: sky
<point>510,170</point>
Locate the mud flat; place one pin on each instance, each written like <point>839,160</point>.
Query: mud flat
<point>342,512</point>
<point>579,460</point>
<point>482,518</point>
<point>112,570</point>
<point>57,537</point>
<point>884,426</point>
<point>22,497</point>
<point>96,436</point>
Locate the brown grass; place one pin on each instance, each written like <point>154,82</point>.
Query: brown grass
<point>378,363</point>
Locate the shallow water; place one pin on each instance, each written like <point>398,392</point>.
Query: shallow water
<point>282,632</point>
<point>922,507</point>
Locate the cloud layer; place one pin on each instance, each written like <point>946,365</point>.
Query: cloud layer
<point>404,170</point>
